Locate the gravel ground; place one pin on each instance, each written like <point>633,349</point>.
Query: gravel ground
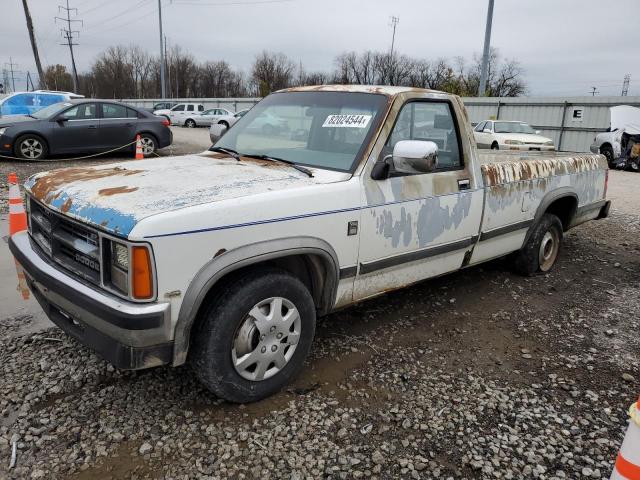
<point>479,374</point>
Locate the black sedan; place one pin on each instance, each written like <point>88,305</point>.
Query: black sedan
<point>81,127</point>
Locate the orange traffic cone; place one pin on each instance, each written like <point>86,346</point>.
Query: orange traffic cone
<point>627,465</point>
<point>22,281</point>
<point>17,215</point>
<point>139,155</point>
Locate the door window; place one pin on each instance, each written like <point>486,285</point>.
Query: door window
<point>480,127</point>
<point>430,121</point>
<point>110,110</point>
<point>131,113</point>
<point>190,108</point>
<point>178,108</point>
<point>488,126</point>
<point>85,111</point>
<point>200,108</point>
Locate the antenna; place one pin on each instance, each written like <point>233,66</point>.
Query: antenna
<point>68,35</point>
<point>625,85</point>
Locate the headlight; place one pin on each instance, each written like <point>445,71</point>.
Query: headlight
<point>3,129</point>
<point>513,142</point>
<point>130,270</point>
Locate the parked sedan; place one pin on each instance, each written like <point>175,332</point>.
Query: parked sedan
<point>206,118</point>
<point>80,127</point>
<point>508,135</point>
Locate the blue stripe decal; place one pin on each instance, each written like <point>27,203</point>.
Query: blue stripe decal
<point>297,217</point>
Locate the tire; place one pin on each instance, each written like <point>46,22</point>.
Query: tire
<point>541,251</point>
<point>149,144</point>
<point>227,333</point>
<point>190,123</point>
<point>226,124</point>
<point>31,147</point>
<point>495,146</point>
<point>607,151</point>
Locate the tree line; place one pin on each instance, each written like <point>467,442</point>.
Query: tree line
<point>131,72</point>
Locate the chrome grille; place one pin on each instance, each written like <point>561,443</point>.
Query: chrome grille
<point>69,244</point>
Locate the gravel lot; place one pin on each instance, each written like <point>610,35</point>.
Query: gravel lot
<point>479,374</point>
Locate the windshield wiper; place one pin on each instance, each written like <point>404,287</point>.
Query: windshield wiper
<point>300,168</point>
<point>228,151</point>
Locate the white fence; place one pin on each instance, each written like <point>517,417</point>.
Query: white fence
<point>571,122</point>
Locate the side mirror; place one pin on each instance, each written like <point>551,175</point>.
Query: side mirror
<point>217,131</point>
<point>486,130</point>
<point>415,156</point>
<point>62,118</point>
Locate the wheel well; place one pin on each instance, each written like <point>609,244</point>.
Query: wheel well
<point>310,269</point>
<point>606,144</point>
<point>150,134</point>
<point>564,208</point>
<point>34,134</point>
<point>223,122</point>
<point>494,143</point>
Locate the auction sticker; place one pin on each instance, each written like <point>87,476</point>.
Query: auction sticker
<point>342,121</point>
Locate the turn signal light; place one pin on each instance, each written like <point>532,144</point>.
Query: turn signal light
<point>142,273</point>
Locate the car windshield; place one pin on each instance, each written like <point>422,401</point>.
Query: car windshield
<point>318,129</point>
<point>513,127</point>
<point>46,112</point>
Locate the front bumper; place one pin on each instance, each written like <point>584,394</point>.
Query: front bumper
<point>528,147</point>
<point>130,336</point>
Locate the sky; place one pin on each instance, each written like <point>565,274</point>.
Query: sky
<point>566,47</point>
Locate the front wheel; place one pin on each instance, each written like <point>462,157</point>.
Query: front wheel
<point>253,338</point>
<point>495,146</point>
<point>31,147</point>
<point>541,251</point>
<point>190,123</point>
<point>607,151</point>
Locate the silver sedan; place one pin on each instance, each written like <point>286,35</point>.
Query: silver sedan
<point>207,118</point>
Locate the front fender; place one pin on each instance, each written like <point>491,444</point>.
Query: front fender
<point>241,257</point>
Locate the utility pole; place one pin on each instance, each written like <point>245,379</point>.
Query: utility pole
<point>393,23</point>
<point>13,80</point>
<point>162,84</point>
<point>625,85</point>
<point>594,91</point>
<point>486,52</point>
<point>34,45</point>
<point>68,33</point>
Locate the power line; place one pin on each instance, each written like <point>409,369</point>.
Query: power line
<point>221,4</point>
<point>68,33</point>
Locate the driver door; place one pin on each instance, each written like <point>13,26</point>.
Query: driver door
<point>416,226</point>
<point>78,133</point>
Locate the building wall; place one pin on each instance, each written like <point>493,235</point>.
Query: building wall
<point>570,122</point>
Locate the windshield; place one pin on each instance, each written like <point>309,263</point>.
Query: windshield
<point>513,127</point>
<point>50,110</point>
<point>318,129</point>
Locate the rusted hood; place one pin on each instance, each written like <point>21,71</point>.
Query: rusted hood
<point>115,197</point>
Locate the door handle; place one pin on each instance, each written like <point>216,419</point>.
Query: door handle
<point>464,184</point>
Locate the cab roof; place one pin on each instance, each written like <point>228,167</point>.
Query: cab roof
<point>387,90</point>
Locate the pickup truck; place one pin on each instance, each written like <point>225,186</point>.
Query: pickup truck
<point>225,259</point>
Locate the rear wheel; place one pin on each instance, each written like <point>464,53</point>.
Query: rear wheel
<point>253,338</point>
<point>149,144</point>
<point>495,146</point>
<point>541,251</point>
<point>226,124</point>
<point>31,147</point>
<point>607,151</point>
<point>190,123</point>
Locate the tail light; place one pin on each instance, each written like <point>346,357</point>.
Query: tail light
<point>165,122</point>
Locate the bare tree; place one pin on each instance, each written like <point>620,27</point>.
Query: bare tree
<point>271,71</point>
<point>57,78</point>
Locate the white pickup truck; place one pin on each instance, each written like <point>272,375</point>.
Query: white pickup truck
<point>226,259</point>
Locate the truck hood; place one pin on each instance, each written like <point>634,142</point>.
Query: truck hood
<point>116,197</point>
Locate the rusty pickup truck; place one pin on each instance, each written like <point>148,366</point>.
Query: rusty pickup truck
<point>319,197</point>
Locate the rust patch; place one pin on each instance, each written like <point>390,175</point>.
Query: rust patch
<point>220,252</point>
<point>107,192</point>
<point>45,186</point>
<point>66,205</point>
